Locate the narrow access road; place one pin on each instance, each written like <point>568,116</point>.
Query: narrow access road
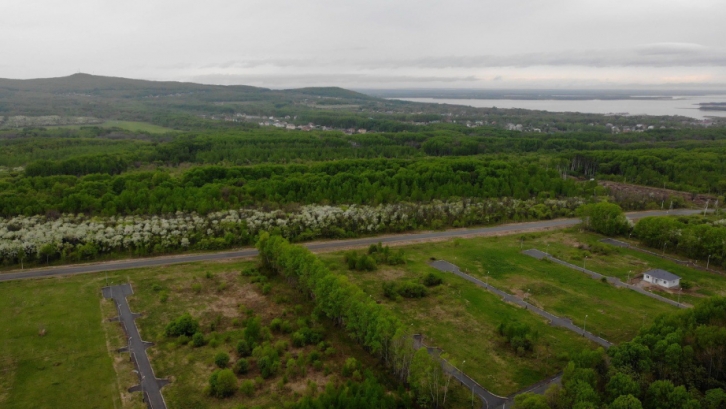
<point>553,319</point>
<point>321,246</point>
<point>597,276</point>
<point>149,385</point>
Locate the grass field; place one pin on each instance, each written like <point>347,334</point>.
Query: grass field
<point>625,263</point>
<point>127,125</point>
<point>70,366</point>
<point>76,364</point>
<point>462,319</point>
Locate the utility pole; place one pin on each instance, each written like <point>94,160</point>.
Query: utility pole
<point>679,296</point>
<point>708,261</point>
<point>664,246</point>
<point>584,324</point>
<point>706,209</point>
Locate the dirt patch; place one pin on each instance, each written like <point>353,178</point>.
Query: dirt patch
<point>625,189</point>
<point>391,274</point>
<point>228,301</point>
<point>301,385</point>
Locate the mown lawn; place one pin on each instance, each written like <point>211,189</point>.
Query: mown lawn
<point>68,367</point>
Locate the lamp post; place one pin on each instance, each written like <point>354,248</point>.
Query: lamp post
<point>487,279</point>
<point>141,383</point>
<point>584,324</point>
<point>583,262</point>
<point>708,262</point>
<point>664,247</point>
<point>629,272</point>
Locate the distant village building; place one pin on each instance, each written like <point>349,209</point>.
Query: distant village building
<point>662,278</point>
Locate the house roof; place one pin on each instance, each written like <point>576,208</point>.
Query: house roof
<point>662,274</point>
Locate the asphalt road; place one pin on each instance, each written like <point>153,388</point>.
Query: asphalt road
<point>597,276</point>
<point>149,385</point>
<point>553,319</point>
<point>315,246</point>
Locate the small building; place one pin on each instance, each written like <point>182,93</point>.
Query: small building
<point>662,278</point>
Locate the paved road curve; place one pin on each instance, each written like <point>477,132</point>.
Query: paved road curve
<point>149,385</point>
<point>315,246</point>
<point>488,399</point>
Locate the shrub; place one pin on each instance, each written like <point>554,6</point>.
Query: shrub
<point>197,288</point>
<point>243,348</point>
<point>184,325</point>
<point>198,339</point>
<point>432,280</point>
<point>390,290</point>
<point>247,387</point>
<point>222,383</point>
<point>242,366</point>
<point>410,289</point>
<point>519,336</point>
<point>350,366</point>
<point>365,263</point>
<point>686,285</point>
<point>266,288</point>
<point>221,359</point>
<point>253,331</point>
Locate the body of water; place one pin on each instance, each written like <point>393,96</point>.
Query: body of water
<point>684,106</point>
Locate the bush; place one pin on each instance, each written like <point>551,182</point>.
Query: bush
<point>253,331</point>
<point>221,359</point>
<point>410,289</point>
<point>360,263</point>
<point>247,387</point>
<point>351,365</point>
<point>198,339</point>
<point>184,325</point>
<point>266,288</point>
<point>243,348</point>
<point>222,383</point>
<point>390,290</point>
<point>686,285</point>
<point>242,366</point>
<point>432,280</point>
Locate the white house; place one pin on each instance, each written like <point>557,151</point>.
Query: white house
<point>662,278</point>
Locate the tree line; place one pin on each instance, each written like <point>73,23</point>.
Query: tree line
<point>210,188</point>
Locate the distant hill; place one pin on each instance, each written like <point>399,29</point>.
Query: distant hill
<point>84,95</point>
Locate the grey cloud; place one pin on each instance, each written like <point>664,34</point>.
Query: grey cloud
<point>323,79</point>
<point>647,55</point>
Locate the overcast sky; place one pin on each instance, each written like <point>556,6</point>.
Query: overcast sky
<point>372,43</point>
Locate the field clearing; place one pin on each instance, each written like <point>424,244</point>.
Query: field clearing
<point>127,125</point>
<point>77,358</point>
<point>462,319</point>
<point>625,263</point>
<point>68,367</point>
